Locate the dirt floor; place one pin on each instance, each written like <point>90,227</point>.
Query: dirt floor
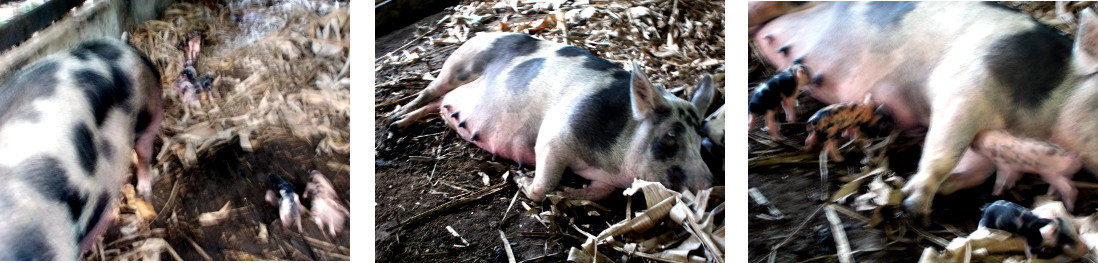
<point>220,153</point>
<point>789,177</point>
<point>428,165</point>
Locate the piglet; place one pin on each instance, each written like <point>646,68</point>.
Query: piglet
<point>327,210</point>
<point>843,119</point>
<point>779,91</point>
<point>1039,233</point>
<point>282,194</point>
<point>1013,155</point>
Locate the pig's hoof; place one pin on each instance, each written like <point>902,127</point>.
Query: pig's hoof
<point>917,210</point>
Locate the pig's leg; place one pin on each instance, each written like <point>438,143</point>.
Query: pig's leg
<point>408,119</point>
<point>1064,186</point>
<point>455,73</point>
<point>550,169</point>
<point>772,126</point>
<point>972,171</point>
<point>957,119</point>
<point>144,144</point>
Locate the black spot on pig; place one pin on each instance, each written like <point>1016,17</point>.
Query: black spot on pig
<point>602,115</point>
<point>888,14</point>
<point>101,49</point>
<point>784,49</point>
<point>523,73</point>
<point>85,147</point>
<point>101,205</point>
<point>1051,152</point>
<point>502,51</point>
<point>105,148</point>
<point>103,93</point>
<point>598,64</point>
<point>142,123</point>
<point>37,81</point>
<point>32,245</point>
<point>1030,64</point>
<point>49,179</point>
<point>518,44</point>
<point>571,51</point>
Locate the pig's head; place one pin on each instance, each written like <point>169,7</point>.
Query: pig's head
<point>666,146</point>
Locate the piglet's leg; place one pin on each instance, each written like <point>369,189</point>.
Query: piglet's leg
<point>831,147</point>
<point>789,104</point>
<point>1005,179</point>
<point>1064,186</point>
<point>772,126</point>
<point>750,122</point>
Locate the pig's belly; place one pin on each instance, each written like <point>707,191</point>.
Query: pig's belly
<point>850,63</point>
<point>506,124</point>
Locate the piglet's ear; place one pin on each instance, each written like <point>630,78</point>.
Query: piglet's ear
<point>1085,52</point>
<point>646,98</point>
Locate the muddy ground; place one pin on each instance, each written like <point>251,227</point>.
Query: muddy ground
<point>427,165</point>
<point>794,188</point>
<point>227,173</point>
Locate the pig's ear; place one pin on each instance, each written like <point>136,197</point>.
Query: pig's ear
<point>646,98</point>
<point>1086,44</point>
<point>703,94</point>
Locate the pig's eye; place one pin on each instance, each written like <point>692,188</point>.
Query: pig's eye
<point>668,141</point>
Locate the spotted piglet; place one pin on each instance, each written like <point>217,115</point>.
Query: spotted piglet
<point>67,124</point>
<point>843,119</point>
<point>779,91</point>
<point>1051,234</point>
<point>1013,155</point>
<point>561,108</point>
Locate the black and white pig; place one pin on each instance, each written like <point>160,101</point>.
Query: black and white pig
<point>67,124</point>
<point>954,68</point>
<point>559,107</point>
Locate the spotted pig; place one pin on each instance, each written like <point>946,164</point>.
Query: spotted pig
<point>952,69</point>
<point>560,108</point>
<point>67,124</point>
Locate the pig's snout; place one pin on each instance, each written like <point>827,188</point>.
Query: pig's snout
<point>696,178</point>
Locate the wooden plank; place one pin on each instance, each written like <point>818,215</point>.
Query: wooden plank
<point>21,27</point>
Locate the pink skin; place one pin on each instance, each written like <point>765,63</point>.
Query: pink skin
<point>289,209</point>
<point>1013,156</point>
<point>194,45</point>
<point>327,209</point>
